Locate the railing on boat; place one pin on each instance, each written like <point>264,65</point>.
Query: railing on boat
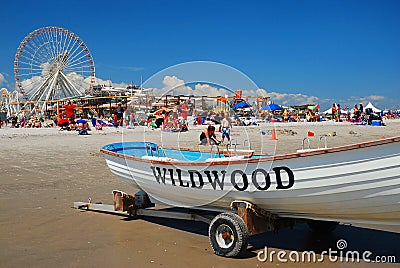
<point>236,144</point>
<point>150,148</point>
<point>309,143</point>
<point>211,150</point>
<point>325,142</point>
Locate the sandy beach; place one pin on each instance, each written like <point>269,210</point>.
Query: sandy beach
<point>43,171</point>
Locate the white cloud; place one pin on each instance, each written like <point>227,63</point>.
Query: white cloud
<point>375,97</point>
<point>174,85</point>
<point>208,90</point>
<point>81,83</point>
<point>2,79</point>
<point>364,100</point>
<point>261,92</point>
<point>292,99</point>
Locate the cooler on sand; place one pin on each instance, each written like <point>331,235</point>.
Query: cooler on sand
<point>376,123</point>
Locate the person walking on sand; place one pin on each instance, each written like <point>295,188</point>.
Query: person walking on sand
<point>226,125</point>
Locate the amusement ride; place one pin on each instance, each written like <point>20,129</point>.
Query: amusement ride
<point>52,63</point>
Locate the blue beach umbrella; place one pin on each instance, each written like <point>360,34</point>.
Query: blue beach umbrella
<point>271,107</point>
<point>242,104</point>
<point>83,121</point>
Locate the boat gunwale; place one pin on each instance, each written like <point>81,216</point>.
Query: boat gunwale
<point>262,159</point>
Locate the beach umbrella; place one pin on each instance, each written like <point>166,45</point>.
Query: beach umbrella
<point>271,107</point>
<point>79,121</point>
<point>242,104</point>
<point>311,107</point>
<point>162,111</point>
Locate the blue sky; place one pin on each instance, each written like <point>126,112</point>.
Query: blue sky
<point>336,51</point>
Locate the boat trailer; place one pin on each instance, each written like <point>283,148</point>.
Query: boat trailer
<point>228,231</point>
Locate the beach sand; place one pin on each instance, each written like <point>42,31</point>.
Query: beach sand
<point>43,171</point>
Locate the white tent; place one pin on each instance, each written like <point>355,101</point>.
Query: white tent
<point>374,109</point>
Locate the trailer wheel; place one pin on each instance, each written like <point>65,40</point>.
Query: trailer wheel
<point>228,235</point>
<point>322,226</point>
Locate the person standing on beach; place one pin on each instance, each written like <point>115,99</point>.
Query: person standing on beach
<point>356,112</point>
<point>285,116</point>
<point>226,126</point>
<point>70,110</point>
<point>120,114</point>
<point>131,119</point>
<point>333,111</point>
<point>338,113</point>
<point>361,109</point>
<point>185,110</point>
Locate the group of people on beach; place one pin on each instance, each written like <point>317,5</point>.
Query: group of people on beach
<point>352,115</point>
<point>356,115</point>
<point>177,119</point>
<point>175,123</point>
<point>67,121</point>
<point>33,122</point>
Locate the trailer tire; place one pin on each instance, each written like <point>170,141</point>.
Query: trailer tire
<point>243,227</point>
<point>228,235</point>
<point>322,227</point>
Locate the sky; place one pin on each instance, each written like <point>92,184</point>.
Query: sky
<point>297,51</point>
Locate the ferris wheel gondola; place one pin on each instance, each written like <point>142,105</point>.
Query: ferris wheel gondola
<point>53,63</point>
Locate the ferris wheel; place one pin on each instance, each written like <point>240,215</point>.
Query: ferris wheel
<point>53,63</point>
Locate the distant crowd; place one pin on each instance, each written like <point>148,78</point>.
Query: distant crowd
<point>177,119</point>
<point>360,115</point>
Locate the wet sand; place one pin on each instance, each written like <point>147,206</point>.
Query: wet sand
<point>43,171</point>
